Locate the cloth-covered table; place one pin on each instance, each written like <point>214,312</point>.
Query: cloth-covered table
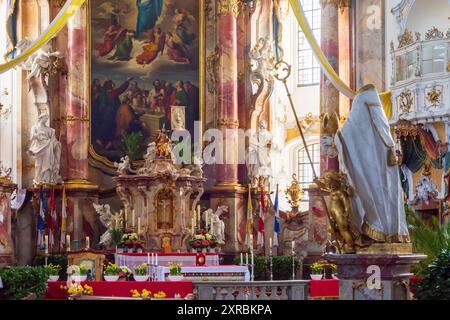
<point>208,273</point>
<point>133,259</point>
<point>324,289</point>
<point>122,288</point>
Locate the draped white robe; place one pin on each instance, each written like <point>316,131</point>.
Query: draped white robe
<point>363,144</point>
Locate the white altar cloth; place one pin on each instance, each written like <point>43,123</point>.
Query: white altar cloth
<point>208,273</point>
<point>133,259</point>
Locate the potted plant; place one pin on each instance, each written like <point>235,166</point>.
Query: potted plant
<point>141,272</point>
<point>77,290</point>
<point>202,241</point>
<point>112,272</point>
<point>125,272</point>
<point>78,273</point>
<point>316,271</point>
<point>175,272</point>
<point>53,272</point>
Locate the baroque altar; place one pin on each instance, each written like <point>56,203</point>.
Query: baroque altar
<point>160,198</point>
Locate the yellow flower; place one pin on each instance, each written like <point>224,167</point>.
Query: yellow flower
<point>135,294</point>
<point>145,293</point>
<point>160,295</point>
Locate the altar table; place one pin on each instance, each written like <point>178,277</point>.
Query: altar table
<point>324,289</point>
<point>133,259</point>
<point>208,273</point>
<point>122,288</point>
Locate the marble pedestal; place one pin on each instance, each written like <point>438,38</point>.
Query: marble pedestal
<point>374,276</point>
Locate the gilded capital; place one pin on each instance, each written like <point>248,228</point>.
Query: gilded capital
<point>234,7</point>
<point>340,4</point>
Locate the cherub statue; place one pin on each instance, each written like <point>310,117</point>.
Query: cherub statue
<point>124,166</point>
<point>340,209</point>
<point>217,225</point>
<point>109,220</point>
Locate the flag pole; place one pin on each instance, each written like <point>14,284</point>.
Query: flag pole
<point>282,71</point>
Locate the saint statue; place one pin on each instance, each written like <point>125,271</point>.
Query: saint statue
<point>217,225</point>
<point>46,150</point>
<point>367,158</point>
<point>259,162</point>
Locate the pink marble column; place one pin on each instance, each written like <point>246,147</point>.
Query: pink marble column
<point>329,95</point>
<point>81,193</point>
<point>6,244</point>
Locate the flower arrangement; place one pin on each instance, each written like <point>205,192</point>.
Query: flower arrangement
<point>145,294</point>
<point>53,269</point>
<point>125,270</point>
<point>131,240</point>
<point>317,268</point>
<point>112,270</point>
<point>77,269</point>
<point>202,239</point>
<point>175,269</point>
<point>141,270</point>
<point>76,289</point>
<point>160,295</point>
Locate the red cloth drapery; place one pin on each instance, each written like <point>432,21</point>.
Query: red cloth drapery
<point>123,288</point>
<point>328,288</point>
<point>429,144</point>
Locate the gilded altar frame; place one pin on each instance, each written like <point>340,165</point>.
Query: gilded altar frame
<point>202,83</point>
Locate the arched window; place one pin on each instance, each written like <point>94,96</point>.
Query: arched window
<point>305,172</point>
<point>308,68</point>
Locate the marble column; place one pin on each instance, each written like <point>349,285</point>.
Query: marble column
<point>329,95</point>
<point>81,193</point>
<point>228,191</point>
<point>6,245</point>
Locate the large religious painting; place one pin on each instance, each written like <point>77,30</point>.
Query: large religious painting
<point>146,59</point>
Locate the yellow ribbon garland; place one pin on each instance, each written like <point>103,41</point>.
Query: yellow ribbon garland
<point>325,64</point>
<point>69,9</point>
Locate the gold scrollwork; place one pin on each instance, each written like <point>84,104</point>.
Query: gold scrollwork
<point>234,7</point>
<point>434,96</point>
<point>294,193</point>
<point>71,118</point>
<point>228,122</point>
<point>405,39</point>
<point>434,34</point>
<point>406,100</point>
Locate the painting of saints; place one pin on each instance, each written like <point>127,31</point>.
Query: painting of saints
<point>149,12</point>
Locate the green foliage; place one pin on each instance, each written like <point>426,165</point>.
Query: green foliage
<point>428,240</point>
<point>436,283</point>
<point>19,282</point>
<point>112,270</point>
<point>55,259</point>
<point>282,267</point>
<point>116,236</point>
<point>133,143</point>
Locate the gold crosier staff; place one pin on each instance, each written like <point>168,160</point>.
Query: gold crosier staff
<point>280,68</point>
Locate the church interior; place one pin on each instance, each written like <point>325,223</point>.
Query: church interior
<point>225,150</point>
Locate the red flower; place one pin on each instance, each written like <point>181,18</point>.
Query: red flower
<point>205,243</point>
<point>212,242</point>
<point>202,231</point>
<point>197,243</point>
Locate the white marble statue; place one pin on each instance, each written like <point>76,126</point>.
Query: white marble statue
<point>197,166</point>
<point>105,217</point>
<point>259,158</point>
<point>124,166</point>
<point>367,156</point>
<point>217,225</point>
<point>46,150</point>
<point>38,62</point>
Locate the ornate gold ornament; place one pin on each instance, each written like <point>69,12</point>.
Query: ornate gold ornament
<point>294,193</point>
<point>228,122</point>
<point>434,97</point>
<point>434,34</point>
<point>329,124</point>
<point>59,3</point>
<point>405,39</point>
<point>234,7</point>
<point>406,100</point>
<point>336,183</point>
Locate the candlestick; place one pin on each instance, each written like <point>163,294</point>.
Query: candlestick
<point>293,246</point>
<point>198,215</point>
<point>193,225</point>
<point>293,264</point>
<point>153,258</point>
<point>46,244</point>
<point>156,260</point>
<point>246,258</point>
<point>139,226</point>
<point>271,264</point>
<point>126,219</point>
<point>270,243</point>
<point>252,276</point>
<point>148,258</point>
<point>133,216</point>
<point>87,243</point>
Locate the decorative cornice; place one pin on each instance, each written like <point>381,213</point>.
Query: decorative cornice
<point>228,122</point>
<point>405,39</point>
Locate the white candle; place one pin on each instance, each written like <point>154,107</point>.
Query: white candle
<point>198,215</point>
<point>270,242</point>
<point>133,216</point>
<point>251,241</point>
<point>153,258</point>
<point>293,246</point>
<point>148,258</point>
<point>139,225</point>
<point>46,244</point>
<point>68,242</point>
<point>87,243</point>
<point>252,257</point>
<point>193,225</point>
<point>126,218</point>
<point>242,259</point>
<point>246,258</point>
<point>156,259</point>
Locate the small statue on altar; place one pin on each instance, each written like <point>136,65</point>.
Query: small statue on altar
<point>46,150</point>
<point>164,146</point>
<point>217,225</point>
<point>124,166</point>
<point>260,162</point>
<point>167,248</point>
